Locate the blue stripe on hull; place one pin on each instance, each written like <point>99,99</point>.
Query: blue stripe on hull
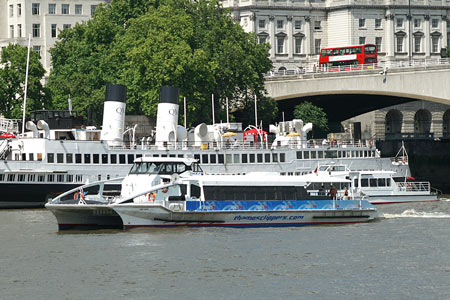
<point>245,225</point>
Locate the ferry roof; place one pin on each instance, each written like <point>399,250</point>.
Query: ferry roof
<point>187,161</point>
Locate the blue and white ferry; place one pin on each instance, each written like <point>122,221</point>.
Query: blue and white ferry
<point>151,197</point>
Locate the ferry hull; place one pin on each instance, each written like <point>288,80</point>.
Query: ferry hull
<point>78,216</point>
<point>392,199</point>
<point>136,215</point>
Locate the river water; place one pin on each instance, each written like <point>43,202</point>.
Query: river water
<point>405,255</point>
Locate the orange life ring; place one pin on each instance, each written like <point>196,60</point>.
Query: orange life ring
<point>165,190</point>
<point>151,197</point>
<point>78,195</point>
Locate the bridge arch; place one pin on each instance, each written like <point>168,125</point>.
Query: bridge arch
<point>393,122</point>
<point>446,123</point>
<point>422,121</point>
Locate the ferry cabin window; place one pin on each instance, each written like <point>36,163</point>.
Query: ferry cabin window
<point>228,159</point>
<point>79,178</point>
<point>306,154</point>
<point>130,158</point>
<point>282,157</point>
<point>259,157</point>
<point>87,158</point>
<point>221,158</point>
<point>24,156</point>
<point>331,154</point>
<point>41,178</point>
<point>95,158</point>
<point>364,182</point>
<point>243,193</point>
<point>313,154</point>
<point>60,158</point>
<point>60,178</point>
<point>204,158</point>
<point>212,159</point>
<point>50,178</point>
<point>138,155</point>
<point>39,156</point>
<point>99,177</point>
<point>11,177</point>
<point>122,158</point>
<point>104,158</point>
<point>275,157</point>
<point>252,158</point>
<point>373,182</point>
<point>197,157</point>
<point>244,158</point>
<point>179,155</point>
<point>31,177</point>
<point>21,177</point>
<point>267,157</point>
<point>171,155</point>
<point>31,156</point>
<point>299,155</point>
<point>78,158</point>
<point>69,158</point>
<point>2,177</point>
<point>50,158</point>
<point>236,158</point>
<point>69,178</point>
<point>113,158</point>
<point>381,181</point>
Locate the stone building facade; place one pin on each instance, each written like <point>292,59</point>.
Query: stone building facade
<point>297,29</point>
<point>43,19</point>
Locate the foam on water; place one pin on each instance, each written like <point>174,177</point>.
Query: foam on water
<point>412,213</point>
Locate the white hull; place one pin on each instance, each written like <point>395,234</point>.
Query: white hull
<point>388,199</point>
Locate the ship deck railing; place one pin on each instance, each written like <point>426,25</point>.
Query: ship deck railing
<point>250,145</point>
<point>414,186</point>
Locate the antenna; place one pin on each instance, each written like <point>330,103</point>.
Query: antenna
<point>26,85</point>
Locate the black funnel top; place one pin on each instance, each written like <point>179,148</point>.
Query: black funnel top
<point>116,92</point>
<point>169,94</point>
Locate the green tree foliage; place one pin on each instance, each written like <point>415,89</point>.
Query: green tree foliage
<point>145,44</point>
<point>310,113</point>
<point>13,62</point>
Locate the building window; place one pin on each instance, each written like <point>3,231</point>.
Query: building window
<point>53,30</point>
<point>362,40</point>
<point>65,9</point>
<point>378,43</point>
<point>35,9</point>
<point>362,23</point>
<point>52,9</point>
<point>434,23</point>
<point>416,23</point>
<point>11,31</point>
<point>317,43</point>
<point>280,45</point>
<point>435,44</point>
<point>78,9</point>
<point>36,30</point>
<point>399,43</point>
<point>19,10</point>
<point>377,23</point>
<point>19,30</point>
<point>317,25</point>
<point>37,49</point>
<point>298,45</point>
<point>11,10</point>
<point>66,26</point>
<point>262,39</point>
<point>417,40</point>
<point>298,24</point>
<point>280,24</point>
<point>399,22</point>
<point>93,8</point>
<point>262,23</point>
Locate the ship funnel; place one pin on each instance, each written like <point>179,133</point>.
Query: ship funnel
<point>167,117</point>
<point>31,126</point>
<point>114,114</point>
<point>41,124</point>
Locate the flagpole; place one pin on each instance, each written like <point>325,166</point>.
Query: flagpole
<point>228,119</point>
<point>212,101</point>
<point>26,86</point>
<point>256,113</point>
<point>184,100</point>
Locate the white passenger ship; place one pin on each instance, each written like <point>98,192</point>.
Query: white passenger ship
<point>49,160</point>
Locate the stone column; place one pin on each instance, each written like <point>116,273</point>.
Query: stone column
<point>272,37</point>
<point>444,41</point>
<point>290,38</point>
<point>427,38</point>
<point>309,37</point>
<point>409,40</point>
<point>390,37</point>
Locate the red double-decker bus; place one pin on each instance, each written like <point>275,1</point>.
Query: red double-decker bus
<point>351,56</point>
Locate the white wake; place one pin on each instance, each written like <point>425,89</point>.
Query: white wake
<point>412,213</point>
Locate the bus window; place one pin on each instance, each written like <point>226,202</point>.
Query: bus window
<point>341,51</point>
<point>335,51</point>
<point>347,50</point>
<point>323,53</point>
<point>329,52</point>
<point>370,49</point>
<point>370,60</point>
<point>358,50</point>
